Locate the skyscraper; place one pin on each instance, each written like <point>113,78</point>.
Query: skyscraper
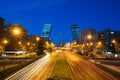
<point>106,36</point>
<point>84,34</point>
<point>46,31</point>
<point>75,31</point>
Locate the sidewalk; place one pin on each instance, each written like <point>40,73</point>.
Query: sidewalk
<point>116,68</point>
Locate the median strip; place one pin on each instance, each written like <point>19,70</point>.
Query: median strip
<point>61,71</point>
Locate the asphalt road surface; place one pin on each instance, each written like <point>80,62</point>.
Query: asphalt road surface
<point>38,70</point>
<point>42,68</point>
<point>84,70</point>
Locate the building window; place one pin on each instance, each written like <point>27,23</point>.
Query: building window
<point>106,42</point>
<point>112,32</point>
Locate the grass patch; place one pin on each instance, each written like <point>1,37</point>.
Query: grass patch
<point>112,72</point>
<point>61,71</point>
<point>9,71</point>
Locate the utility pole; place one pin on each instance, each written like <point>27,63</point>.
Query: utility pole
<point>60,39</point>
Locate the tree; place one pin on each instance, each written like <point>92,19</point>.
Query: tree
<point>3,32</point>
<point>117,47</point>
<point>41,47</point>
<point>2,28</point>
<point>14,38</point>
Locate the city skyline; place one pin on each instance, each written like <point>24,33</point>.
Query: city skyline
<point>100,15</point>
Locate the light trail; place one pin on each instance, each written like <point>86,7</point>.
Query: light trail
<point>83,70</point>
<point>29,71</point>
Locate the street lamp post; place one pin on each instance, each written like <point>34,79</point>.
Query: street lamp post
<point>28,46</point>
<point>113,41</point>
<point>37,38</point>
<point>5,41</point>
<point>16,32</point>
<point>88,44</point>
<point>114,45</point>
<point>89,37</point>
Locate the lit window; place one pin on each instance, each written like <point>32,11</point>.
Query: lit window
<point>112,32</point>
<point>106,42</point>
<point>111,45</point>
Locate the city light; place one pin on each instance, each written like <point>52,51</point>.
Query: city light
<point>28,43</point>
<point>91,43</point>
<point>5,41</point>
<point>113,41</point>
<point>16,31</point>
<point>89,36</point>
<point>19,42</point>
<point>37,38</point>
<point>87,44</point>
<point>99,43</point>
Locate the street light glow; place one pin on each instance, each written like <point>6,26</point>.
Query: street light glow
<point>28,43</point>
<point>5,41</point>
<point>99,43</point>
<point>91,43</point>
<point>37,38</point>
<point>16,31</point>
<point>19,42</point>
<point>89,36</point>
<point>113,41</point>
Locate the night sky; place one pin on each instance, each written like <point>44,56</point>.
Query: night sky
<point>33,14</point>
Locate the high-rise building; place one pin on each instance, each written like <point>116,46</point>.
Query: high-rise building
<point>46,31</point>
<point>106,37</point>
<point>83,35</point>
<point>75,31</point>
<point>88,37</point>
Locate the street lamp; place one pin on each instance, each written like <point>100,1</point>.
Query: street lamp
<point>113,41</point>
<point>114,45</point>
<point>99,43</point>
<point>28,43</point>
<point>89,36</point>
<point>5,41</point>
<point>37,38</point>
<point>19,42</point>
<point>16,31</point>
<point>91,44</point>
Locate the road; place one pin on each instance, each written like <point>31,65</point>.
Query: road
<point>84,70</point>
<point>42,68</point>
<point>38,70</point>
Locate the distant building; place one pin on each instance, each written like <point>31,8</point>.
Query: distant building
<point>75,31</point>
<point>46,31</point>
<point>1,22</point>
<point>2,28</point>
<point>31,38</point>
<point>84,33</point>
<point>106,37</point>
